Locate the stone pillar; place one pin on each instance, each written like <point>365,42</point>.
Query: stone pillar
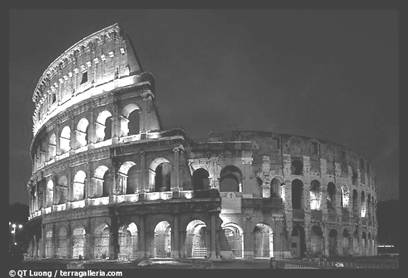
<point>57,140</point>
<point>175,241</point>
<point>144,173</point>
<point>88,183</point>
<point>91,130</point>
<point>115,122</point>
<point>69,185</point>
<point>182,238</point>
<point>115,181</point>
<point>35,246</point>
<point>72,139</point>
<point>144,238</point>
<point>248,238</point>
<point>113,244</point>
<point>89,245</point>
<point>176,168</point>
<point>325,241</point>
<point>307,219</point>
<point>69,240</point>
<point>54,241</point>
<point>43,241</point>
<point>213,236</point>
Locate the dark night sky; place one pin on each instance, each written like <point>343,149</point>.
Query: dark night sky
<point>328,74</point>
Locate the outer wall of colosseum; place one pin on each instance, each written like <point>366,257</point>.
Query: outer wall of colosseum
<point>109,183</point>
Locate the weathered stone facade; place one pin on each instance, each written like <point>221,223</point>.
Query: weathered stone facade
<point>109,183</point>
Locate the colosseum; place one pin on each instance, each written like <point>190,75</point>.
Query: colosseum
<point>108,182</point>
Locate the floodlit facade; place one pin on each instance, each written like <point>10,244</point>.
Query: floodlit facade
<point>108,182</point>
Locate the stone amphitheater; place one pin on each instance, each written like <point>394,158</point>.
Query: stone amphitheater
<point>109,183</point>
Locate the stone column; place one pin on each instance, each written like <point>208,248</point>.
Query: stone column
<point>69,185</point>
<point>72,139</point>
<point>182,239</point>
<point>141,252</point>
<point>89,245</point>
<point>176,168</point>
<point>248,238</point>
<point>88,183</point>
<point>213,235</point>
<point>307,219</point>
<point>57,140</point>
<point>91,130</point>
<point>144,173</point>
<point>43,235</point>
<point>113,243</point>
<point>69,240</point>
<point>325,240</point>
<point>115,122</point>
<point>113,189</point>
<point>175,242</point>
<point>54,241</point>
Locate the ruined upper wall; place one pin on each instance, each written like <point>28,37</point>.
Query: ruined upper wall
<point>274,145</point>
<point>93,62</point>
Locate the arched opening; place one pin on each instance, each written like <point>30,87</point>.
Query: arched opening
<point>103,127</point>
<point>128,241</point>
<point>331,197</point>
<point>297,166</point>
<point>79,186</point>
<point>370,246</point>
<point>101,242</point>
<point>134,122</point>
<point>333,243</point>
<point>65,139</point>
<point>78,243</point>
<point>48,244</point>
<point>200,179</point>
<point>263,241</point>
<point>132,181</point>
<point>62,190</point>
<point>160,175</point>
<point>297,194</point>
<point>130,120</point>
<point>355,203</point>
<point>316,241</point>
<point>234,236</point>
<point>346,243</point>
<point>354,176</point>
<point>50,194</point>
<point>62,243</point>
<point>52,147</point>
<point>101,182</point>
<point>275,187</point>
<point>364,244</point>
<point>82,132</point>
<point>128,178</point>
<point>298,243</point>
<point>345,196</point>
<point>162,240</point>
<point>363,208</point>
<point>230,179</point>
<point>315,195</point>
<point>196,239</point>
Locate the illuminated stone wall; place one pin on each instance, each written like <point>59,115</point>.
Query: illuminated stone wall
<point>106,176</point>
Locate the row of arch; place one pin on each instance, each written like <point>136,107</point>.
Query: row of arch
<point>346,245</point>
<point>129,125</point>
<point>366,204</point>
<point>196,242</point>
<point>128,179</point>
<point>102,180</point>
